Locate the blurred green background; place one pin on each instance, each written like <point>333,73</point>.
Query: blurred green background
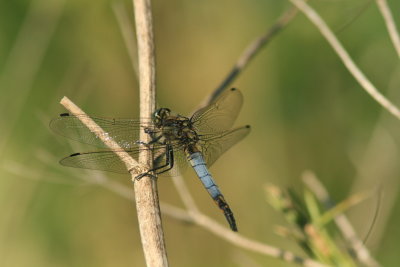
<point>306,112</point>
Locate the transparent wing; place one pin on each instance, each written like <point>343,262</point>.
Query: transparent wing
<point>220,115</point>
<point>124,131</point>
<point>109,161</point>
<point>213,146</point>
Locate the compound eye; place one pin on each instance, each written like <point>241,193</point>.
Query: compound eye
<point>161,114</point>
<point>164,112</point>
<point>157,114</point>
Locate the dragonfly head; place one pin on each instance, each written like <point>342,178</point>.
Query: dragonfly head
<point>160,115</point>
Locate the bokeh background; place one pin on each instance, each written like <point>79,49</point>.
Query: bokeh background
<point>306,112</point>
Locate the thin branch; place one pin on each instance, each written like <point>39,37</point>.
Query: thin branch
<point>184,194</point>
<point>346,59</point>
<point>195,216</point>
<point>360,251</point>
<point>243,242</point>
<point>356,14</point>
<point>130,163</point>
<point>176,213</point>
<point>251,51</point>
<point>210,225</point>
<point>125,192</point>
<point>120,189</point>
<point>390,24</point>
<point>146,194</point>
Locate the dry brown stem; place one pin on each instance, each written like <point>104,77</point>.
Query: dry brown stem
<point>251,51</point>
<point>390,24</point>
<point>354,70</point>
<point>146,195</point>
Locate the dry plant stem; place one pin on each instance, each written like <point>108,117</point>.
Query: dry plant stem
<point>208,224</point>
<point>390,24</point>
<point>251,51</point>
<point>360,251</point>
<point>183,216</point>
<point>251,245</point>
<point>184,194</point>
<point>346,59</point>
<point>130,163</point>
<point>196,217</point>
<point>148,209</point>
<point>125,192</point>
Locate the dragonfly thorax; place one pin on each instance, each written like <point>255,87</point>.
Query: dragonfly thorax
<point>175,128</point>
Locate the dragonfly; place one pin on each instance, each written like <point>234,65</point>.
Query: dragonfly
<point>176,140</point>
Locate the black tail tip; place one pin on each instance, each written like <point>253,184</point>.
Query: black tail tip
<point>231,220</point>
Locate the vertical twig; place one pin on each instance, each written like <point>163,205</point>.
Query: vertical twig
<point>390,24</point>
<point>345,57</point>
<point>148,209</point>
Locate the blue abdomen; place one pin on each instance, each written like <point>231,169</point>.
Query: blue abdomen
<point>200,167</point>
<point>197,161</point>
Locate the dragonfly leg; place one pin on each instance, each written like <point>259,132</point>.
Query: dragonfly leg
<point>138,142</point>
<point>149,131</point>
<point>153,141</point>
<point>140,176</point>
<point>169,162</point>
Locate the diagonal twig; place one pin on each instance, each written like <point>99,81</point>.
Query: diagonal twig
<point>390,24</point>
<point>184,194</point>
<point>251,51</point>
<point>244,59</point>
<point>313,16</point>
<point>130,163</point>
<point>208,224</point>
<point>246,243</point>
